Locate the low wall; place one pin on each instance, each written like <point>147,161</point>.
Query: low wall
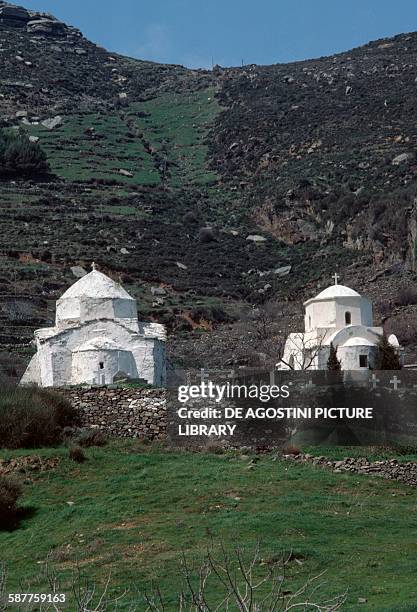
<point>124,413</point>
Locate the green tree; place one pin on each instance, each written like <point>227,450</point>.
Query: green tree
<point>19,156</point>
<point>333,363</point>
<point>387,356</point>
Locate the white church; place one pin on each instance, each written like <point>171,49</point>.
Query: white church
<point>339,316</point>
<point>97,339</point>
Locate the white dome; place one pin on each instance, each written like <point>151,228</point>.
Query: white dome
<point>335,291</point>
<point>358,341</point>
<point>96,285</point>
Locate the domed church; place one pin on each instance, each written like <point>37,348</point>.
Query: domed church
<point>97,339</point>
<point>339,316</point>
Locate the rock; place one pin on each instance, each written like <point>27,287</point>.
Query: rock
<point>78,271</point>
<point>284,271</point>
<point>33,138</point>
<point>362,600</point>
<point>124,172</point>
<point>158,291</point>
<point>45,26</point>
<point>401,159</point>
<point>124,251</point>
<point>53,123</point>
<point>181,265</point>
<point>14,15</point>
<point>80,51</point>
<point>256,238</point>
<point>20,114</point>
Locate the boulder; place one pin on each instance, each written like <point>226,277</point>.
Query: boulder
<point>283,271</point>
<point>78,271</point>
<point>52,123</point>
<point>124,172</point>
<point>14,15</point>
<point>45,26</point>
<point>158,291</point>
<point>402,158</point>
<point>256,238</point>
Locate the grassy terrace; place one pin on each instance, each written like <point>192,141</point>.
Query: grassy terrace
<point>99,146</point>
<point>130,510</point>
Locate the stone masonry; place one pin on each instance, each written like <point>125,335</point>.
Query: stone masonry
<point>123,413</point>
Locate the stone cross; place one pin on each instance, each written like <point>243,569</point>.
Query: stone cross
<point>335,277</point>
<point>395,381</point>
<point>375,381</point>
<point>93,265</point>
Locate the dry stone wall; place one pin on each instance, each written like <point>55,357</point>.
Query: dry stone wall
<point>123,413</point>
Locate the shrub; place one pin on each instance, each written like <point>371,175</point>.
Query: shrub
<point>30,417</point>
<point>206,234</point>
<point>76,453</point>
<point>91,437</point>
<point>407,295</point>
<point>10,491</point>
<point>19,156</point>
<point>333,362</point>
<point>387,357</point>
<point>404,327</point>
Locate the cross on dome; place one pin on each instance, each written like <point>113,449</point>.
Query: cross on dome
<point>336,277</point>
<point>94,267</point>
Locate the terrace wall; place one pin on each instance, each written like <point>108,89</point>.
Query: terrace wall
<point>123,413</point>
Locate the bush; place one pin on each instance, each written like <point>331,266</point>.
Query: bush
<point>19,156</point>
<point>91,437</point>
<point>10,491</point>
<point>407,295</point>
<point>30,418</point>
<point>75,453</point>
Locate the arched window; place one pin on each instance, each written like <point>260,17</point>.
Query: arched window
<point>348,318</point>
<point>309,322</point>
<point>291,362</point>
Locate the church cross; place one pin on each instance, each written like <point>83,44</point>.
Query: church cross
<point>335,277</point>
<point>93,265</point>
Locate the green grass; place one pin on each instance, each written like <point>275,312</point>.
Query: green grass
<point>180,122</point>
<point>135,508</point>
<point>74,156</point>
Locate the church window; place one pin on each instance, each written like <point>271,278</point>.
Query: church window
<point>348,318</point>
<point>309,321</point>
<point>101,365</point>
<point>363,361</point>
<point>291,362</point>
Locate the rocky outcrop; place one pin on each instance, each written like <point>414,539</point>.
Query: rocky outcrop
<point>45,26</point>
<point>14,15</point>
<point>121,413</point>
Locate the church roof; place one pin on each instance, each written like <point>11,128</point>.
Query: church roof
<point>96,285</point>
<point>336,291</point>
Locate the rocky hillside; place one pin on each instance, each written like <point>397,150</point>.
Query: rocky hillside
<point>208,193</point>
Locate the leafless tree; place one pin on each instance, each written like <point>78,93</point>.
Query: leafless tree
<point>243,587</point>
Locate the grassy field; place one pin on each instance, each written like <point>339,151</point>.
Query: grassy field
<point>130,510</point>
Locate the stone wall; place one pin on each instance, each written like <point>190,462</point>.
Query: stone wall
<point>124,413</point>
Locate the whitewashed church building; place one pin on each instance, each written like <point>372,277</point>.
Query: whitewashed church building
<point>97,338</point>
<point>339,316</point>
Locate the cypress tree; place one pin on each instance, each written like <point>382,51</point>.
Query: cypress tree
<point>333,363</point>
<point>387,356</point>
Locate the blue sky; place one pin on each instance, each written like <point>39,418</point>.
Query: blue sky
<point>196,32</point>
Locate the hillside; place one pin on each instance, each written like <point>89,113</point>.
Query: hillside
<point>317,157</point>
